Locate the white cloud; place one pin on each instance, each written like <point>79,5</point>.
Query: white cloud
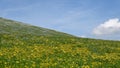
<point>83,36</point>
<point>110,27</point>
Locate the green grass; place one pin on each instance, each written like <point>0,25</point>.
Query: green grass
<point>24,49</point>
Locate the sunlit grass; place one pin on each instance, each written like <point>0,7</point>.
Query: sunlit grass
<point>71,53</point>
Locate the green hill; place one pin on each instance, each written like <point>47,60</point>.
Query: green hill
<point>17,31</point>
<point>13,27</point>
<point>26,46</point>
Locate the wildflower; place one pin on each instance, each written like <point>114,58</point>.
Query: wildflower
<point>85,66</point>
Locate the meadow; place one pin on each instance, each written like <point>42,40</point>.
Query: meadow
<point>26,46</point>
<point>30,51</point>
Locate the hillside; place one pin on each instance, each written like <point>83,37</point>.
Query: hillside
<point>26,46</point>
<point>13,27</point>
<point>17,31</point>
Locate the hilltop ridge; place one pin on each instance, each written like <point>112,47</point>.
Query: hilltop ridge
<point>8,26</point>
<point>13,31</point>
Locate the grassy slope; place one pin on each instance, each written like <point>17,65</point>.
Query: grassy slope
<point>13,27</point>
<point>25,46</point>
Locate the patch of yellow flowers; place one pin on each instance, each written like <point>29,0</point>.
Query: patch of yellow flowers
<point>39,56</point>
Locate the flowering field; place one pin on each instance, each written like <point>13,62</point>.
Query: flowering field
<point>27,46</point>
<point>57,52</point>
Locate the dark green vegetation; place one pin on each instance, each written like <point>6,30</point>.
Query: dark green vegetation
<point>26,46</point>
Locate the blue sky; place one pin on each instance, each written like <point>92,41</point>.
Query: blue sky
<point>84,18</point>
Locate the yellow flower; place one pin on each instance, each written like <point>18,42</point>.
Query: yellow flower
<point>85,66</point>
<point>1,54</point>
<point>95,64</point>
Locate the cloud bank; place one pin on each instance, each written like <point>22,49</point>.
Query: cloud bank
<point>110,27</point>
